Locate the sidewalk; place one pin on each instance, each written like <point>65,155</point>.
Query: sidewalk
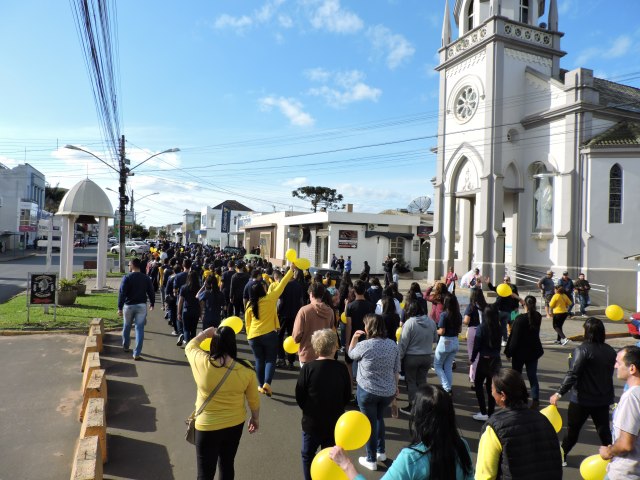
<point>12,255</point>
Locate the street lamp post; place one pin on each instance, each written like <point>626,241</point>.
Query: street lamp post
<point>123,172</point>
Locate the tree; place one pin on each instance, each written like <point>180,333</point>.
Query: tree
<point>52,197</point>
<point>324,197</point>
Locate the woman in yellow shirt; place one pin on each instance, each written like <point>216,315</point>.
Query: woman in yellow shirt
<point>560,304</point>
<point>219,426</point>
<point>261,321</point>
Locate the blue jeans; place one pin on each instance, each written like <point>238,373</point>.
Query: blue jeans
<point>134,314</point>
<point>443,361</point>
<point>373,407</point>
<point>583,301</point>
<point>265,352</point>
<point>310,444</point>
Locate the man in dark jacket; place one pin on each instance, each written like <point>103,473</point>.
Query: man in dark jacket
<point>238,282</point>
<point>505,305</point>
<point>290,303</point>
<point>135,289</point>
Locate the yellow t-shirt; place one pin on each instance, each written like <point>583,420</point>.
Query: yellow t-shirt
<point>560,303</point>
<point>489,451</point>
<point>227,407</point>
<point>268,321</point>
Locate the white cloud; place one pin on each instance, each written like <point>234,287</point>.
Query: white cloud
<point>396,48</point>
<point>239,24</point>
<point>285,21</point>
<point>268,10</point>
<point>619,47</point>
<point>290,108</point>
<point>8,162</point>
<point>295,182</point>
<point>565,6</point>
<point>329,15</point>
<point>345,87</point>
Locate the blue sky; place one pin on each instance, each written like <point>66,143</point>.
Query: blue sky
<point>260,96</point>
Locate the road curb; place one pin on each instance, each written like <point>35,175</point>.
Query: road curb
<point>78,331</point>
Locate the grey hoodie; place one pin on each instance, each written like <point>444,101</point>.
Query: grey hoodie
<point>417,336</point>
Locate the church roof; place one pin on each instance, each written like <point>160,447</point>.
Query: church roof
<point>621,134</point>
<point>617,95</point>
<point>233,205</point>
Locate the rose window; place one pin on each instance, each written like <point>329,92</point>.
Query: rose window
<point>466,103</point>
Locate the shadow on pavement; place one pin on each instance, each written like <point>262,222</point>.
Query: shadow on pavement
<point>128,407</point>
<point>119,369</point>
<point>145,459</point>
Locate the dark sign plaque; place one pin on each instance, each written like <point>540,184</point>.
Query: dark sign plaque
<point>43,288</point>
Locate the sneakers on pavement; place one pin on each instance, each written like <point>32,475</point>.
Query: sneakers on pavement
<point>126,349</point>
<point>381,457</point>
<point>565,340</point>
<point>137,357</point>
<point>367,464</point>
<point>504,343</point>
<point>174,333</point>
<point>406,410</point>
<point>267,389</point>
<point>180,338</point>
<point>481,417</point>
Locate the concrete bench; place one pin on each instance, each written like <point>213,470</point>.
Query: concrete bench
<point>99,322</point>
<point>95,331</point>
<point>95,424</point>
<point>87,463</point>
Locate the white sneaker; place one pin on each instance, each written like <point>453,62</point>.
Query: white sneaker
<point>565,340</point>
<point>504,343</point>
<point>381,457</point>
<point>367,464</point>
<point>481,417</point>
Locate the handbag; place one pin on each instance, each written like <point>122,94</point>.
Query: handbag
<point>190,435</point>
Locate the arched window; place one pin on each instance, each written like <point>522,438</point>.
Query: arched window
<point>524,11</point>
<point>542,197</point>
<point>470,15</point>
<point>615,194</point>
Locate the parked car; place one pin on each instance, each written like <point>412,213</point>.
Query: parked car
<point>235,251</point>
<point>335,274</point>
<point>92,241</point>
<point>131,248</point>
<point>113,240</point>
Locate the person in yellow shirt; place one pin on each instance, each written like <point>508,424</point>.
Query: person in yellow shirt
<point>560,304</point>
<point>516,441</point>
<point>219,426</point>
<point>261,322</point>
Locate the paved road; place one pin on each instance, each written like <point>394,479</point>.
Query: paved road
<point>14,271</point>
<point>149,400</point>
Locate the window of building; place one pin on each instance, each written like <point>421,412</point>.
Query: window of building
<point>524,11</point>
<point>396,248</point>
<point>615,194</point>
<point>466,103</point>
<point>470,15</point>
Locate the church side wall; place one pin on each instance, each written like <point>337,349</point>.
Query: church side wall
<point>610,242</point>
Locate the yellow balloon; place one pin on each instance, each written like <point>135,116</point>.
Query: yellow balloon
<point>291,255</point>
<point>290,346</point>
<point>302,263</point>
<point>402,305</point>
<point>323,468</point>
<point>614,312</point>
<point>206,344</point>
<point>503,290</point>
<point>343,317</point>
<point>398,334</point>
<point>593,467</point>
<point>553,415</point>
<point>234,322</point>
<point>352,431</point>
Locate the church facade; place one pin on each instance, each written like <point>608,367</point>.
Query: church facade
<point>537,167</point>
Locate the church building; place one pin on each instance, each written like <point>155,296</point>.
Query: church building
<point>537,167</point>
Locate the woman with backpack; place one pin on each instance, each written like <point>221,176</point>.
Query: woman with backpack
<point>486,347</point>
<point>189,306</point>
<point>211,303</point>
<point>524,347</point>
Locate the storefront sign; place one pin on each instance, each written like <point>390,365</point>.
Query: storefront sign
<point>347,239</point>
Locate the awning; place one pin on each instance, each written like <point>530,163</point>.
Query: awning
<point>389,235</point>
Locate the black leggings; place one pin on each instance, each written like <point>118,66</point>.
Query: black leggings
<point>576,416</point>
<point>217,447</point>
<point>487,368</point>
<point>558,321</point>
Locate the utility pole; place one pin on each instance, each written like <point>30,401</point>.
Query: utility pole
<point>123,202</point>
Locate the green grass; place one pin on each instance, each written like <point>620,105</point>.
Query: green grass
<point>13,314</point>
<point>92,274</point>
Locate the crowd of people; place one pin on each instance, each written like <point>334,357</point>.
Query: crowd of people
<point>360,343</point>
